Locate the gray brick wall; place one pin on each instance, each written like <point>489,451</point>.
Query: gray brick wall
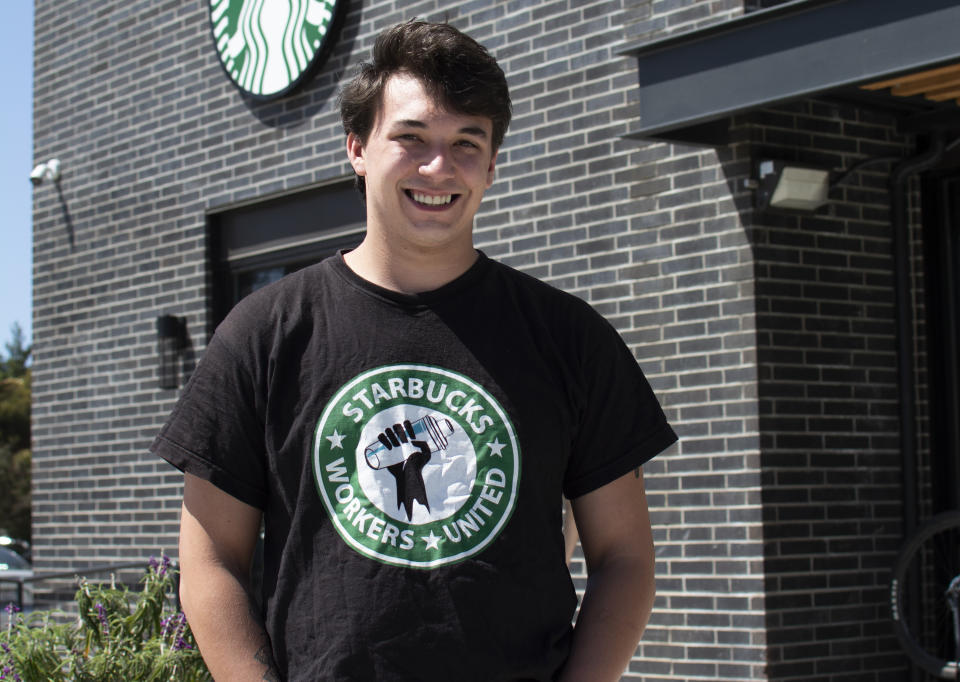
<point>768,340</point>
<point>828,399</point>
<point>649,20</point>
<point>694,330</point>
<point>123,239</point>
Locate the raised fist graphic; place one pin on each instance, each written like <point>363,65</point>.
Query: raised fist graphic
<point>409,457</point>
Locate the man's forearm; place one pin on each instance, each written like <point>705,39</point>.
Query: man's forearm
<point>227,626</point>
<point>615,609</point>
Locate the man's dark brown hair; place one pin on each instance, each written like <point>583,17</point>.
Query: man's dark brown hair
<point>455,70</point>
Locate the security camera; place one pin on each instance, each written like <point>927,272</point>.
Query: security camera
<point>46,171</point>
<point>36,175</point>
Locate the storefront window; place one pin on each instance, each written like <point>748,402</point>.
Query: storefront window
<point>257,244</point>
<point>754,5</point>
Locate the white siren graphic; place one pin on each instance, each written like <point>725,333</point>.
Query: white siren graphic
<point>406,464</point>
<point>267,46</point>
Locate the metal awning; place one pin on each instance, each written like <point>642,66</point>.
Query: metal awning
<point>905,53</point>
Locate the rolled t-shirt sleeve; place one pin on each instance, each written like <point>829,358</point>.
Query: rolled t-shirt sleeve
<point>216,430</point>
<point>621,423</point>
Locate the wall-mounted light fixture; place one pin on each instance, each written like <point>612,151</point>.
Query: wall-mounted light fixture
<point>46,171</point>
<point>171,341</point>
<point>791,186</point>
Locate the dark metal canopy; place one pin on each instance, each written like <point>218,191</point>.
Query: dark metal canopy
<point>691,83</point>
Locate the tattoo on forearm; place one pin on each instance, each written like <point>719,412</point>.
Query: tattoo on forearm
<point>264,654</point>
<point>265,657</point>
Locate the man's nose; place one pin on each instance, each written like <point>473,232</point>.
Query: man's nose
<point>437,164</point>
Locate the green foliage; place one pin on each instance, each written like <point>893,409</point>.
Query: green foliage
<point>15,412</point>
<point>15,365</point>
<point>15,500</point>
<point>15,437</point>
<point>119,636</point>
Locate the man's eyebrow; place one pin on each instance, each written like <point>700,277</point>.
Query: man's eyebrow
<point>475,131</point>
<point>409,123</point>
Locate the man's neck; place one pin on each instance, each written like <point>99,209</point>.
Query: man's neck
<point>411,272</point>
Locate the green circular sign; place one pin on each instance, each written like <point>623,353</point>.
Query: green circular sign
<point>269,47</point>
<point>416,465</point>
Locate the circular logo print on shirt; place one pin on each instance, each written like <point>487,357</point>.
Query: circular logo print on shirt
<point>269,46</point>
<point>416,465</point>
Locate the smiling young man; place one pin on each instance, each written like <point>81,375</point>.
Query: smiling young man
<point>425,170</point>
<point>404,419</point>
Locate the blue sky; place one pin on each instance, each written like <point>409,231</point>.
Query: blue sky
<point>16,141</point>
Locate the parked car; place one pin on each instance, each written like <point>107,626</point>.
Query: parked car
<point>21,547</point>
<point>13,568</point>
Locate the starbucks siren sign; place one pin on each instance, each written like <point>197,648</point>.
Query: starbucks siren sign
<point>269,47</point>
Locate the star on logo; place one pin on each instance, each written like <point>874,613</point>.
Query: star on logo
<point>496,447</point>
<point>433,541</point>
<point>336,440</point>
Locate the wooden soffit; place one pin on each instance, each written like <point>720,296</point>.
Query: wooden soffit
<point>941,84</point>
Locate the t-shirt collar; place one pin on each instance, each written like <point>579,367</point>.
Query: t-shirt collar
<point>452,288</point>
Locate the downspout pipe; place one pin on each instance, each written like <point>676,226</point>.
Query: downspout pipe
<point>903,291</point>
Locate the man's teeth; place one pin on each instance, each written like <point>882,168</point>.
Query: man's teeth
<point>431,200</point>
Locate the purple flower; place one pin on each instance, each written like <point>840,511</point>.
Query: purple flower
<point>11,608</point>
<point>181,621</point>
<point>102,616</point>
<point>167,626</point>
<point>181,644</point>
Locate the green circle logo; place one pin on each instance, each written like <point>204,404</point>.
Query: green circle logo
<point>269,47</point>
<point>416,465</point>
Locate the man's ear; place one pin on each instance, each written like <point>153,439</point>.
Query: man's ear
<point>491,168</point>
<point>355,153</point>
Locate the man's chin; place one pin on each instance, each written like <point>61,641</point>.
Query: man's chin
<point>435,235</point>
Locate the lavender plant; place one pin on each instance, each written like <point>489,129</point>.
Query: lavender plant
<point>118,636</point>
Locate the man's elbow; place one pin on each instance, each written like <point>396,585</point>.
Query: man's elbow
<point>636,574</point>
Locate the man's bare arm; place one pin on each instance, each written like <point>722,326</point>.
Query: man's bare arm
<point>569,531</point>
<point>218,534</point>
<point>617,542</point>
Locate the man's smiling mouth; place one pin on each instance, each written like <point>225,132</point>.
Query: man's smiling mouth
<point>431,199</point>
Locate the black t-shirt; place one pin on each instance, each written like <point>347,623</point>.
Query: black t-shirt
<point>409,455</point>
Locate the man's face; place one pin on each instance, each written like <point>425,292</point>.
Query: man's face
<point>425,170</point>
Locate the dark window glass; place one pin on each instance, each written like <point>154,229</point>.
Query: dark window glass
<point>753,5</point>
<point>257,244</point>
